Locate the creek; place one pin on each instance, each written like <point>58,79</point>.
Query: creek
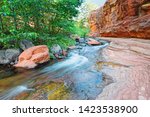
<point>75,77</point>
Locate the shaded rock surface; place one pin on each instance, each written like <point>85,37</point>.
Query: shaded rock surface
<point>9,56</point>
<point>121,18</point>
<point>33,56</point>
<point>58,52</point>
<point>127,62</point>
<point>25,44</point>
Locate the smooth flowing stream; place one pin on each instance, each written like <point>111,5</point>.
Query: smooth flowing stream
<point>72,78</point>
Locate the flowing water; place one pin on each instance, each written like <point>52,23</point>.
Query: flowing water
<point>72,78</point>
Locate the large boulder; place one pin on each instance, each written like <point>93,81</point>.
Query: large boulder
<point>121,18</point>
<point>33,56</point>
<point>25,44</point>
<point>9,56</point>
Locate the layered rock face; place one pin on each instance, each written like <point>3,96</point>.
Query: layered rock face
<point>127,62</point>
<point>121,18</point>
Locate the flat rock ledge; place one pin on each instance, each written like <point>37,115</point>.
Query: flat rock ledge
<point>127,62</point>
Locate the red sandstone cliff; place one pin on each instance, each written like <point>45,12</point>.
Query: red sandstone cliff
<point>121,18</point>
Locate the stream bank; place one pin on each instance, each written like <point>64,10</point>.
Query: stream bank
<point>116,70</point>
<point>127,62</point>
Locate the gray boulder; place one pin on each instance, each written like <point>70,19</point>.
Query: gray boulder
<point>82,40</point>
<point>56,49</point>
<point>58,52</point>
<point>9,56</point>
<point>3,59</point>
<point>25,44</point>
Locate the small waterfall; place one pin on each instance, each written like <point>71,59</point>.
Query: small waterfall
<point>74,62</point>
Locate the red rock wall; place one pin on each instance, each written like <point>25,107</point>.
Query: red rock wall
<point>121,18</point>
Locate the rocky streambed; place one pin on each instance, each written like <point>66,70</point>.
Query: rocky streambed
<point>75,77</point>
<point>119,69</point>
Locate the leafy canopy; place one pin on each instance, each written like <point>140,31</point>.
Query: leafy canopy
<point>38,20</point>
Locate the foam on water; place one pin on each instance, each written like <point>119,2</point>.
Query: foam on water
<point>74,62</point>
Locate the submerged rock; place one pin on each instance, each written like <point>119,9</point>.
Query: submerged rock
<point>33,56</point>
<point>46,91</point>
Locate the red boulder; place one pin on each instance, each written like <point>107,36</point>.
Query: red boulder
<point>33,56</point>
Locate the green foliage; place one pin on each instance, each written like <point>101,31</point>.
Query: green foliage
<point>37,39</point>
<point>42,21</point>
<point>64,42</point>
<point>12,41</point>
<point>48,16</point>
<point>80,29</point>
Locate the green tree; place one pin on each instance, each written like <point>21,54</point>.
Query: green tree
<point>37,17</point>
<point>82,27</point>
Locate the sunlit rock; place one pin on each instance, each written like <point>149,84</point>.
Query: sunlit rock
<point>93,42</point>
<point>127,62</point>
<point>33,56</point>
<point>121,18</point>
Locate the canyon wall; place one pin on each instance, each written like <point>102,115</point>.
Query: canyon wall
<point>121,18</point>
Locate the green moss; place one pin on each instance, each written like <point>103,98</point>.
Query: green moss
<point>57,91</point>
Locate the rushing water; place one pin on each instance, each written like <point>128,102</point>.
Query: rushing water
<point>72,78</point>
